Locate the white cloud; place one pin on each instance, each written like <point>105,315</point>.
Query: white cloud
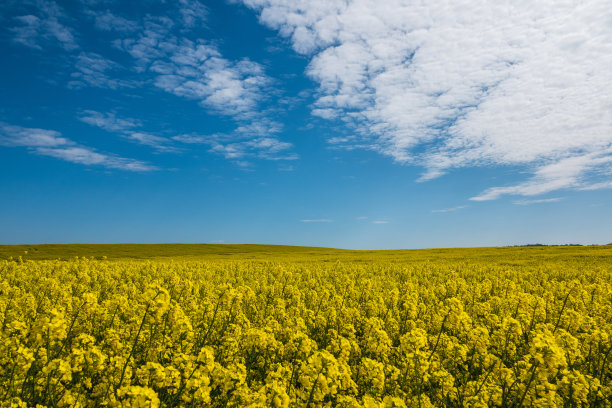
<point>126,128</point>
<point>108,121</point>
<point>196,70</point>
<point>193,139</point>
<point>562,173</point>
<point>87,156</point>
<point>263,148</point>
<point>30,137</point>
<point>380,222</point>
<point>151,42</point>
<point>157,142</point>
<point>318,220</point>
<point>260,127</point>
<point>51,143</point>
<point>27,32</point>
<point>193,12</point>
<point>448,84</point>
<point>93,70</point>
<point>597,186</point>
<point>445,210</point>
<point>44,27</point>
<point>107,21</point>
<point>540,201</point>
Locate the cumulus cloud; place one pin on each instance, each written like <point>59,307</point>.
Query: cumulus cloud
<point>449,84</point>
<point>45,26</point>
<point>51,143</point>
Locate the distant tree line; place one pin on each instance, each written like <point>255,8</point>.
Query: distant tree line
<point>550,245</point>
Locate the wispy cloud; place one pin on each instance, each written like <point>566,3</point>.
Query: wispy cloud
<point>246,142</point>
<point>159,143</point>
<point>107,21</point>
<point>560,174</point>
<point>261,127</point>
<point>45,26</point>
<point>149,43</point>
<point>322,220</point>
<point>127,128</point>
<point>88,156</point>
<point>263,148</point>
<point>597,186</point>
<point>94,70</point>
<point>445,210</point>
<point>193,12</point>
<point>108,121</point>
<point>30,137</point>
<point>194,138</point>
<point>445,86</point>
<point>197,71</point>
<point>165,57</point>
<point>380,222</point>
<point>51,143</point>
<point>539,201</point>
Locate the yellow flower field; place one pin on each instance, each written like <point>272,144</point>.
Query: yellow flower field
<point>333,331</point>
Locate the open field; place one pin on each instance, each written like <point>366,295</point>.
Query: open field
<point>501,255</point>
<point>258,326</point>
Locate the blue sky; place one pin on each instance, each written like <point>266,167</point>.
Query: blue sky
<point>348,124</point>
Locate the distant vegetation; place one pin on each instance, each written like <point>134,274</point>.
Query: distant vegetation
<point>277,252</point>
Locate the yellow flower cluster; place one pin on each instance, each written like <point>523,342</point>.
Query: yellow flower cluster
<point>189,333</point>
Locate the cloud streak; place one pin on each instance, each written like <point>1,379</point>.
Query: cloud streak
<point>448,84</point>
<point>108,121</point>
<point>540,201</point>
<point>51,143</point>
<point>127,128</point>
<point>451,209</point>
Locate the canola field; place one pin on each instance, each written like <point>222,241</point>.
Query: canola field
<point>306,327</point>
